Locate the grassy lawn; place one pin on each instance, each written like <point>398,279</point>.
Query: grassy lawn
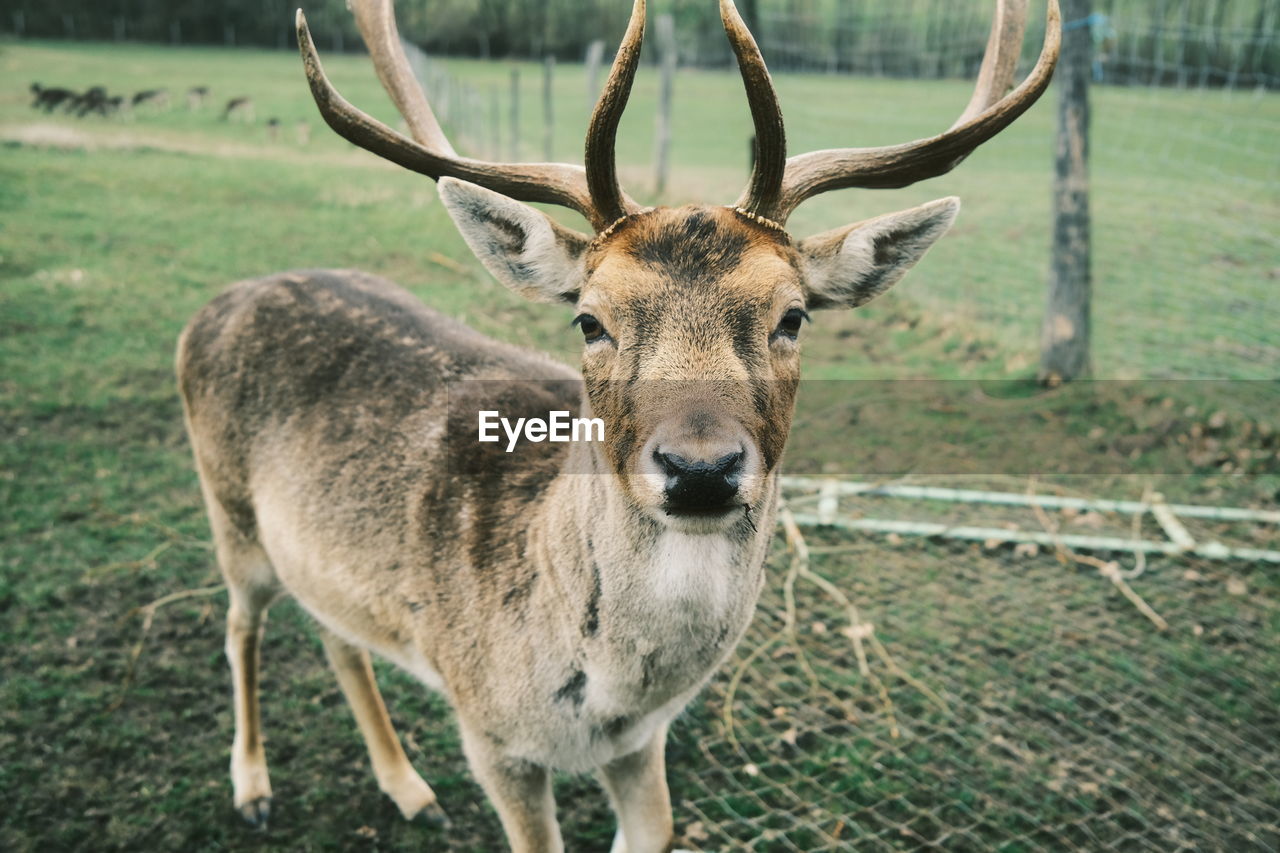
<point>113,232</point>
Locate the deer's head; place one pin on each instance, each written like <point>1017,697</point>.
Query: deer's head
<point>691,316</point>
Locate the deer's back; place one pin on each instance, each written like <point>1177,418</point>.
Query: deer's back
<point>333,387</point>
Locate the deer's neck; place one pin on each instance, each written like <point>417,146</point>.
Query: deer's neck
<point>650,599</point>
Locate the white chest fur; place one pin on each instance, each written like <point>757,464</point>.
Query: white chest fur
<point>693,571</point>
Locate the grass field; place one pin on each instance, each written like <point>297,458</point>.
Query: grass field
<point>1185,185</point>
<point>113,232</point>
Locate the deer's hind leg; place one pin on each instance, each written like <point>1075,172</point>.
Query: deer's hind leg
<point>396,776</point>
<point>251,587</point>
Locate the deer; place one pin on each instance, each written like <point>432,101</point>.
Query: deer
<point>157,98</point>
<point>48,98</point>
<point>94,100</point>
<point>240,108</point>
<point>196,97</point>
<point>568,599</point>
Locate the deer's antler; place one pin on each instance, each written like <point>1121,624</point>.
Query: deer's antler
<point>775,193</point>
<point>602,176</point>
<point>777,185</point>
<point>765,185</point>
<point>594,191</point>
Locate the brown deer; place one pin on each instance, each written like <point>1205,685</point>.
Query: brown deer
<point>48,98</point>
<point>240,108</point>
<point>92,100</point>
<point>156,98</point>
<point>568,598</point>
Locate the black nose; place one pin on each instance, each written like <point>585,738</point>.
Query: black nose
<point>693,486</point>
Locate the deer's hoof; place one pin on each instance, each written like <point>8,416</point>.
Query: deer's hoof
<point>256,812</point>
<point>432,815</point>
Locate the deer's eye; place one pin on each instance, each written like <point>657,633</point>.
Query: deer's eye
<point>789,326</point>
<point>592,329</point>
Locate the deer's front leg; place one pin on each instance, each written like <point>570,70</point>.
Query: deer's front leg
<point>521,793</point>
<point>637,786</point>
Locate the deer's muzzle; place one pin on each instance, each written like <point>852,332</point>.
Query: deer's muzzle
<point>696,486</point>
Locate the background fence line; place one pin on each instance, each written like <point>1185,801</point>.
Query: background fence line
<point>1183,43</point>
<point>1226,43</point>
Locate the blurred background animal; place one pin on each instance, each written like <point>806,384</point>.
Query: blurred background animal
<point>156,98</point>
<point>240,108</point>
<point>196,96</point>
<point>93,100</point>
<point>49,98</point>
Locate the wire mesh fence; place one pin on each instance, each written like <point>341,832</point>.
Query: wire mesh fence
<point>979,696</point>
<point>988,697</point>
<point>1174,42</point>
<point>1178,42</point>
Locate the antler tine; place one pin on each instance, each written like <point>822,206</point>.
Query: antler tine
<point>602,132</point>
<point>377,23</point>
<point>1000,60</point>
<point>987,114</point>
<point>551,183</point>
<point>765,185</point>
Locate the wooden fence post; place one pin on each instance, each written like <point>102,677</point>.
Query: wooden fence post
<point>595,56</point>
<point>495,124</point>
<point>514,118</point>
<point>1064,337</point>
<point>548,107</point>
<point>665,31</point>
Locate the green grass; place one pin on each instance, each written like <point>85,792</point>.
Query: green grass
<point>112,237</point>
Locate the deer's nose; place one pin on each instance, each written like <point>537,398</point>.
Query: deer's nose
<point>695,485</point>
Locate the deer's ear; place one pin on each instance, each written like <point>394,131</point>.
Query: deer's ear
<point>854,264</point>
<point>523,247</point>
